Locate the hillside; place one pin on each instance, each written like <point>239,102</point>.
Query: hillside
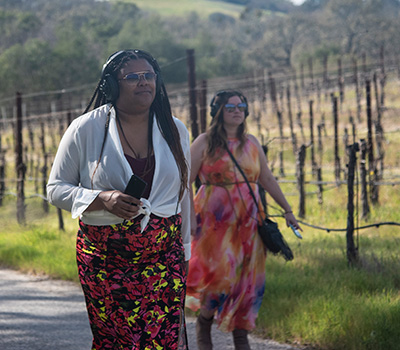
<point>203,7</point>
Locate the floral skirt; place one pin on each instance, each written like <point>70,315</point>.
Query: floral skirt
<point>134,284</point>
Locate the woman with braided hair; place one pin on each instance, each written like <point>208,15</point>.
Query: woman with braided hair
<point>131,247</point>
<point>227,268</point>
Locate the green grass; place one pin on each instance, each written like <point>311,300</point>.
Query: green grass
<point>39,246</point>
<point>315,300</point>
<point>319,300</point>
<point>204,8</point>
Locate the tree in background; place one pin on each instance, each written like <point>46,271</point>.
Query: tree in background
<point>66,41</point>
<point>284,37</point>
<point>17,27</point>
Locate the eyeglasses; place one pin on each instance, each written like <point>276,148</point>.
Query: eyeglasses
<point>134,78</point>
<point>229,107</point>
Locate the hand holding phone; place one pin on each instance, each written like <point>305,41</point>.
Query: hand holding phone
<point>296,231</point>
<point>135,186</point>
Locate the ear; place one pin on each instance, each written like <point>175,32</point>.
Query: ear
<point>109,87</point>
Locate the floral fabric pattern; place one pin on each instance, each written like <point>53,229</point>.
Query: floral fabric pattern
<point>227,267</point>
<point>134,284</point>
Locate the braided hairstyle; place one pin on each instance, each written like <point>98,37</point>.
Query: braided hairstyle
<point>217,138</point>
<point>160,107</point>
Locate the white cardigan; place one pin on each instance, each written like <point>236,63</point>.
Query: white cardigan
<point>69,185</point>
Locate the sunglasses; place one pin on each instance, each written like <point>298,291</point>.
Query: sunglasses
<point>134,78</point>
<point>229,107</point>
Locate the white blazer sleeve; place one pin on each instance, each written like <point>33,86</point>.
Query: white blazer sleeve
<point>63,188</point>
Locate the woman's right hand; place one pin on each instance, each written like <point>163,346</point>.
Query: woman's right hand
<point>118,203</point>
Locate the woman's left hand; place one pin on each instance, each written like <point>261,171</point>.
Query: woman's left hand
<point>291,220</point>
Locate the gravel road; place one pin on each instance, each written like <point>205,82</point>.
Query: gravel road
<point>38,313</point>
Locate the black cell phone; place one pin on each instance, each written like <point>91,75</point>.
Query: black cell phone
<point>135,186</point>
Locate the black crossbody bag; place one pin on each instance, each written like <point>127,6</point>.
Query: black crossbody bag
<point>268,230</point>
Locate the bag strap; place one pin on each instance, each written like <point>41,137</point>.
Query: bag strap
<point>245,179</point>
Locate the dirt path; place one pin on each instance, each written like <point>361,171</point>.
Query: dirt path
<point>37,313</point>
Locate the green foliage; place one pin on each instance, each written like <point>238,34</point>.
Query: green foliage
<point>144,34</point>
<point>229,38</point>
<point>26,65</point>
<point>17,27</point>
<point>325,51</point>
<point>73,63</point>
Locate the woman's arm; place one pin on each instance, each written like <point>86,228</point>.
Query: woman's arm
<point>268,182</point>
<point>197,151</point>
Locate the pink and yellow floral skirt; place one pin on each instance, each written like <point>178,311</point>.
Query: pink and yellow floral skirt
<point>134,284</point>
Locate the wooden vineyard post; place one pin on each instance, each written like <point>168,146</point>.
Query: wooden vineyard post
<point>69,117</point>
<point>364,66</point>
<point>352,250</point>
<point>192,92</point>
<point>297,93</point>
<point>379,137</point>
<point>346,145</point>
<point>20,167</point>
<point>281,94</point>
<point>203,106</point>
<point>370,148</point>
<point>300,161</point>
<point>310,68</point>
<point>357,88</point>
<point>319,167</point>
<point>325,81</point>
<point>353,128</point>
<point>259,83</point>
<point>313,162</point>
<point>336,136</point>
<point>363,180</point>
<point>44,168</point>
<point>261,190</point>
<point>377,101</point>
<point>32,152</point>
<point>273,95</point>
<point>340,83</point>
<point>289,106</point>
<point>320,144</point>
<point>320,187</point>
<point>262,92</point>
<point>281,166</point>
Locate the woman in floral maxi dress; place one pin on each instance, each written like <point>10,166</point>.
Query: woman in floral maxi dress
<point>227,266</point>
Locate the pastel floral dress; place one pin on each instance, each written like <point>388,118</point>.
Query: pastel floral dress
<point>227,267</point>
